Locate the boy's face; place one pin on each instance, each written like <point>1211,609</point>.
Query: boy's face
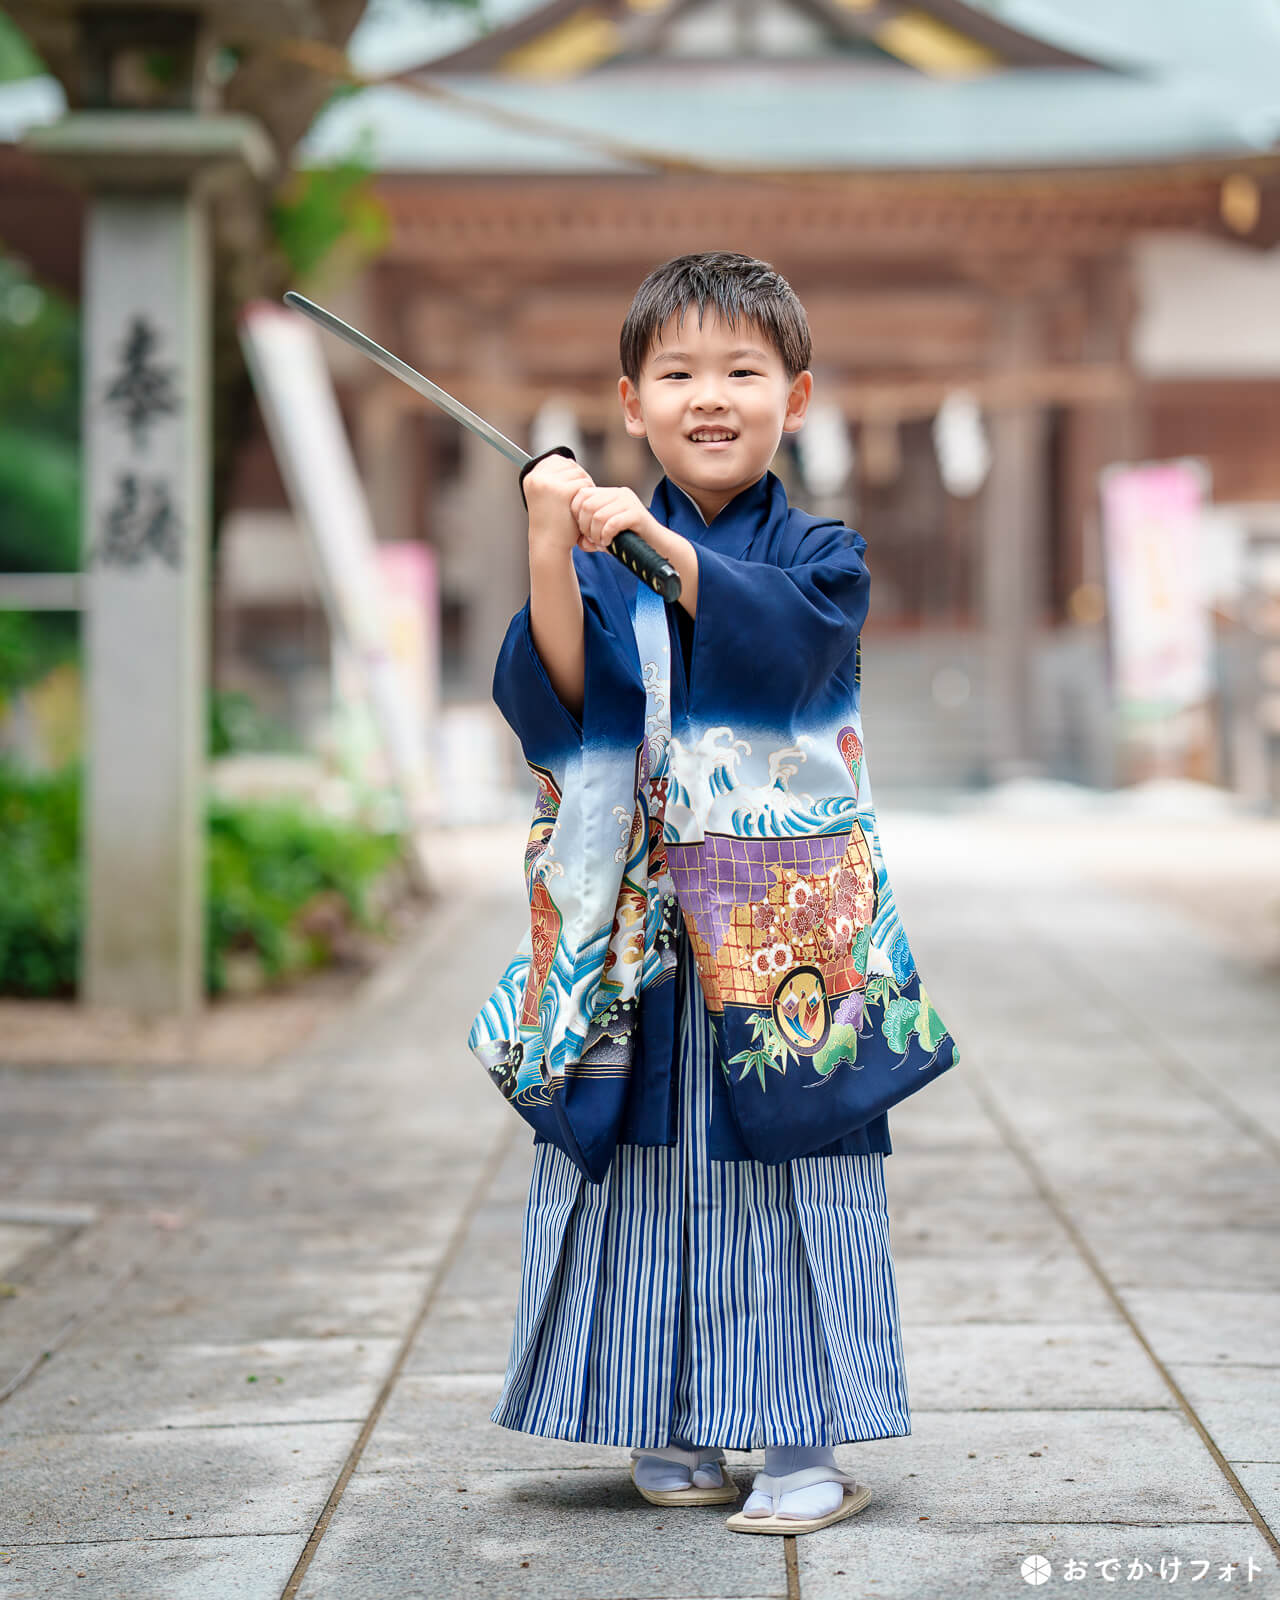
<point>713,402</point>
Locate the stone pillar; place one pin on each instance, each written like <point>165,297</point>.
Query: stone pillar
<point>146,321</point>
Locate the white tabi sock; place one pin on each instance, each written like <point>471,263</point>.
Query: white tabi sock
<point>653,1472</point>
<point>815,1499</point>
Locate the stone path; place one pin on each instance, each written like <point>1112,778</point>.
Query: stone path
<point>252,1322</point>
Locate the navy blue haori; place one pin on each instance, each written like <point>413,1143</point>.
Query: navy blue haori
<point>715,786</point>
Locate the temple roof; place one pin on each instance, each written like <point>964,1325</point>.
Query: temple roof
<point>812,116</point>
<point>557,85</point>
<point>591,86</point>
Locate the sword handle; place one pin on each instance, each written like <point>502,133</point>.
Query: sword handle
<point>636,554</point>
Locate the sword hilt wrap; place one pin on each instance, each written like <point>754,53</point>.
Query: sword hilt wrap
<point>635,553</point>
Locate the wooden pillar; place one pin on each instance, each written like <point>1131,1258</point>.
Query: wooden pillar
<point>1110,431</point>
<point>497,558</point>
<point>1012,585</point>
<point>1095,436</point>
<point>387,433</point>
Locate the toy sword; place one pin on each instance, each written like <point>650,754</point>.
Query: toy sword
<point>635,553</point>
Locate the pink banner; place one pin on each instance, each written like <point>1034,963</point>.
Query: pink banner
<point>1161,635</point>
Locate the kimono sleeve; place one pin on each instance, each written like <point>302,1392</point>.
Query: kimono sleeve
<point>613,692</point>
<point>773,636</point>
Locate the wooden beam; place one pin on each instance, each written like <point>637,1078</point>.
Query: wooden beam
<point>902,400</point>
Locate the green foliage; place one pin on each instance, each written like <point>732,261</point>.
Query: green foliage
<point>39,461</point>
<point>39,868</point>
<point>32,645</point>
<point>39,503</point>
<point>39,426</point>
<point>322,207</point>
<point>17,58</point>
<point>267,865</point>
<point>236,724</point>
<point>268,868</point>
<point>39,356</point>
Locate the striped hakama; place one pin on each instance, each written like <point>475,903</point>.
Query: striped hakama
<point>724,1303</point>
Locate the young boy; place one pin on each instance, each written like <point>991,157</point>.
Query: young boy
<point>706,1260</point>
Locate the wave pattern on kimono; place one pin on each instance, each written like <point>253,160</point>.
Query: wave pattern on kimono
<point>730,790</point>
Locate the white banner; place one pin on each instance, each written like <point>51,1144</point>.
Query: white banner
<point>301,412</point>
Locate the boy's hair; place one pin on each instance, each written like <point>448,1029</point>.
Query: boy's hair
<point>738,287</point>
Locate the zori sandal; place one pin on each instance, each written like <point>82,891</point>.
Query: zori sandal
<point>856,1495</point>
<point>693,1495</point>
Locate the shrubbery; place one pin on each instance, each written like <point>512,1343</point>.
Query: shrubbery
<point>283,883</point>
<point>39,883</point>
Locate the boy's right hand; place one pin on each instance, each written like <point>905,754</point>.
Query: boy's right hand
<point>548,491</point>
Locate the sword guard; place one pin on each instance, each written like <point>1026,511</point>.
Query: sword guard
<point>635,553</point>
<point>532,462</point>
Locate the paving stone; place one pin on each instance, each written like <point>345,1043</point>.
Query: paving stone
<point>1159,1257</point>
<point>554,1534</point>
<point>1261,1482</point>
<point>994,1179</point>
<point>94,1387</point>
<point>1000,1366</point>
<point>75,1487</point>
<point>87,1270</point>
<point>1207,1325</point>
<point>178,1568</point>
<point>965,1560</point>
<point>1015,1286</point>
<point>394,1244</point>
<point>444,1418</point>
<point>189,1301</point>
<point>465,1334</point>
<point>965,1227</point>
<point>1036,1466</point>
<point>1239,1405</point>
<point>19,1241</point>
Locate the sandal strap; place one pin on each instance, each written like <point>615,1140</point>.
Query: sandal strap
<point>776,1486</point>
<point>686,1458</point>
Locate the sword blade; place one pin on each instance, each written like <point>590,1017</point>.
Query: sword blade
<point>407,374</point>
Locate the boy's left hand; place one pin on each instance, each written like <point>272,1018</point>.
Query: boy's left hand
<point>604,513</point>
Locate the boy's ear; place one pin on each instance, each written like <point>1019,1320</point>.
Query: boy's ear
<point>798,401</point>
<point>631,412</point>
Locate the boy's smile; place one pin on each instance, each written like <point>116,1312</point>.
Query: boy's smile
<point>713,402</point>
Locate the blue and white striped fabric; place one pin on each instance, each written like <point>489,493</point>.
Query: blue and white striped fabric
<point>727,1303</point>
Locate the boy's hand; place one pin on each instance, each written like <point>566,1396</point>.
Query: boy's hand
<point>602,514</point>
<point>548,491</point>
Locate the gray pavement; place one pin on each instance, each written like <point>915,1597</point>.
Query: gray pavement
<point>252,1323</point>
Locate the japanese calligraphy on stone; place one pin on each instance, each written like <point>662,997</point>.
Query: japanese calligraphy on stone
<point>140,521</point>
<point>143,389</point>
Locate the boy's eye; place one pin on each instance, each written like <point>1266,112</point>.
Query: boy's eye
<point>744,372</point>
<point>675,374</point>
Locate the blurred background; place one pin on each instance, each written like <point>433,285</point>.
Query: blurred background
<point>1038,244</point>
